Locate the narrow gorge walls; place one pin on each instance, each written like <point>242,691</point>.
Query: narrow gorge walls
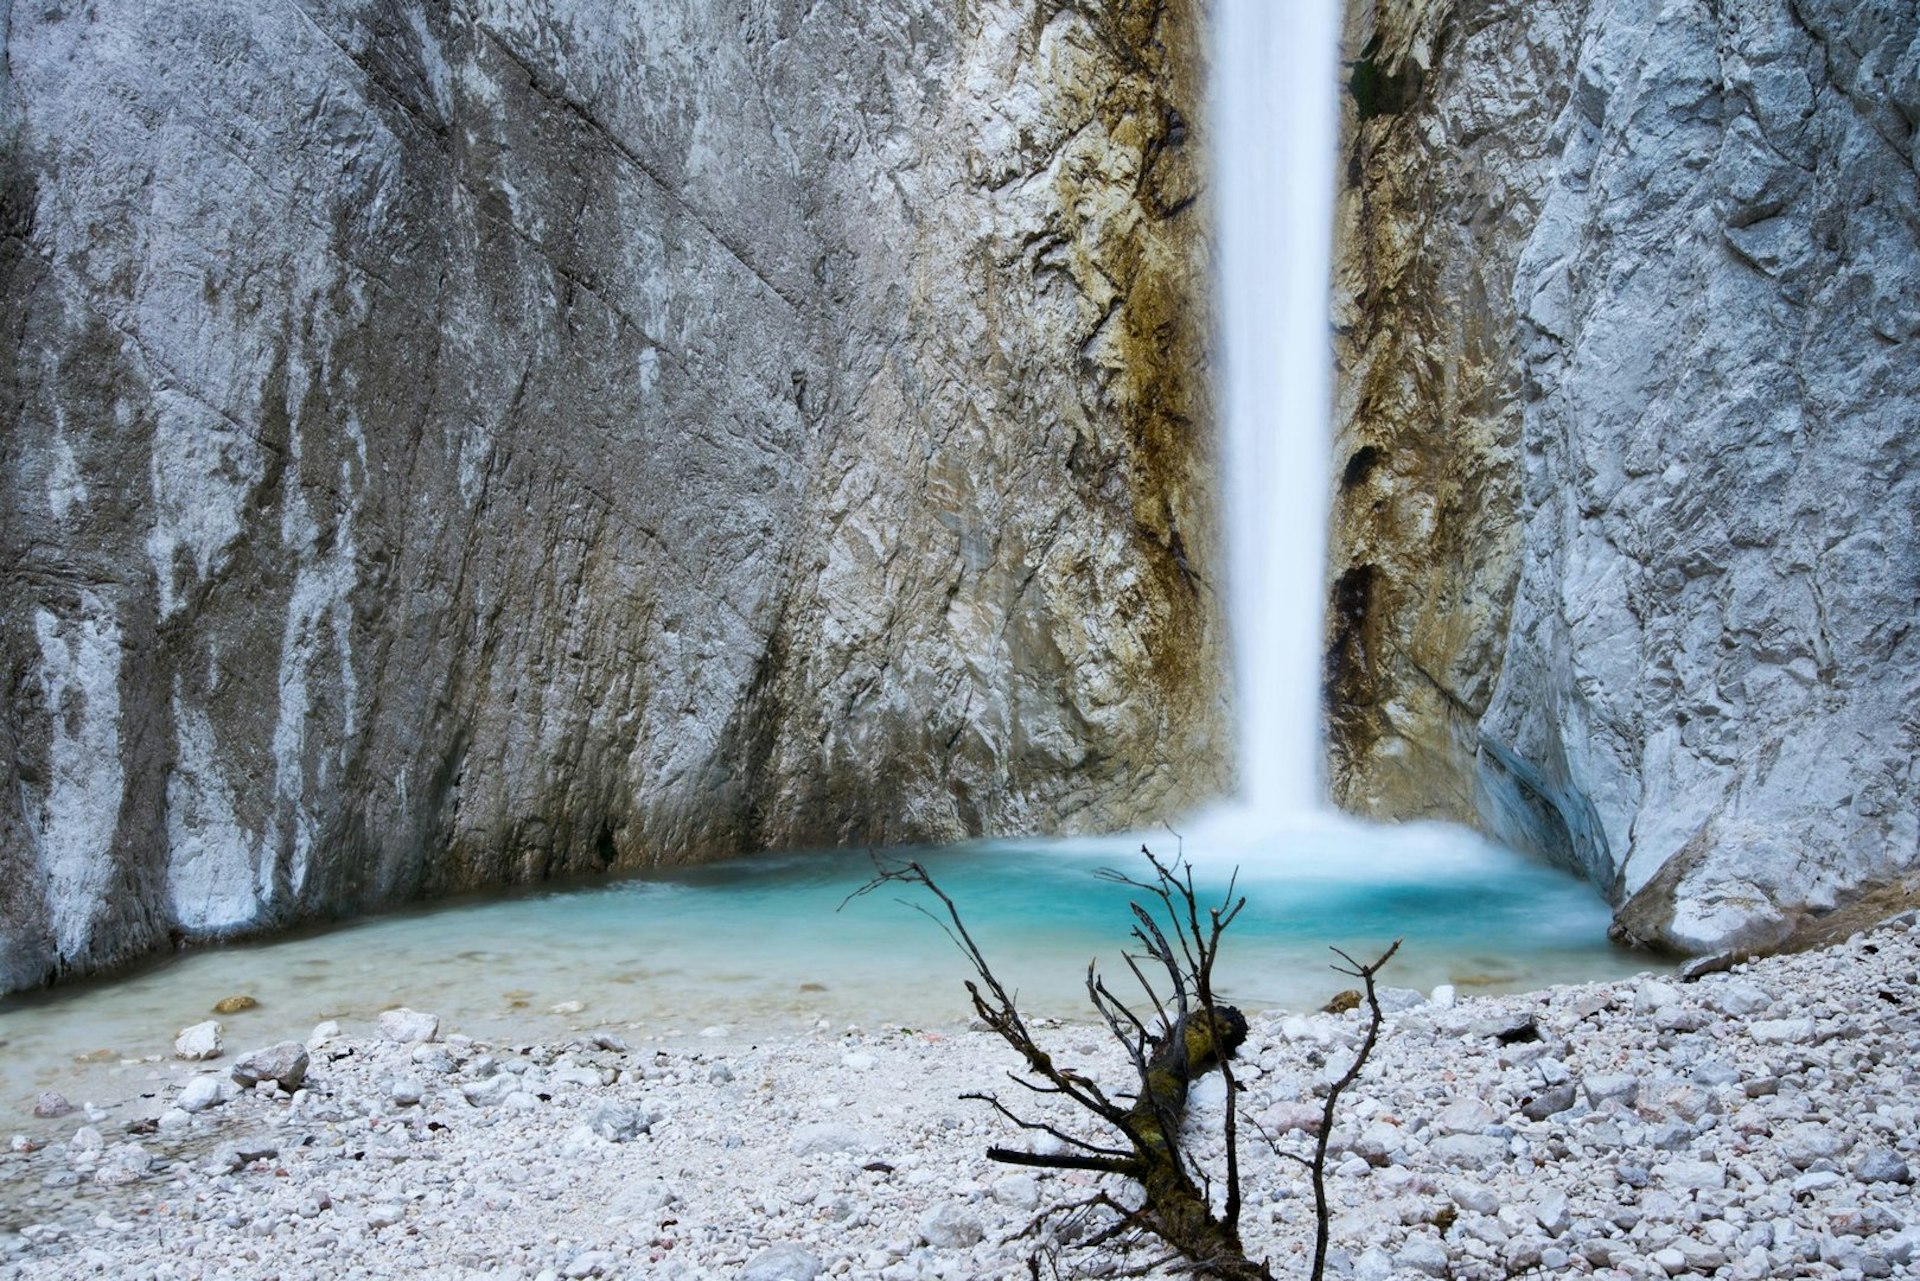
<point>456,444</point>
<point>449,445</point>
<point>1629,563</point>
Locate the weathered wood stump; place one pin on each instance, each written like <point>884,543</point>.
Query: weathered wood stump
<point>1174,1206</point>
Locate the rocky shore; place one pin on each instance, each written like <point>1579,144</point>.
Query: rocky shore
<point>1754,1123</point>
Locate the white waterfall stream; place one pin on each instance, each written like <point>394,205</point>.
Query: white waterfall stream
<point>1275,127</point>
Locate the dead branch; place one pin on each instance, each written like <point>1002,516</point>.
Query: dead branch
<point>1183,1036</point>
<point>1321,1215</point>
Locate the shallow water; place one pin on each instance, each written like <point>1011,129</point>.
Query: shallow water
<point>764,947</point>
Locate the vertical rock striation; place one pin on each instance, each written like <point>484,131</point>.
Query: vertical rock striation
<point>456,444</point>
<point>1630,292</point>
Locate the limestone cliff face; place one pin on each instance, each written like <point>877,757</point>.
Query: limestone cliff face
<point>457,444</point>
<point>1630,295</point>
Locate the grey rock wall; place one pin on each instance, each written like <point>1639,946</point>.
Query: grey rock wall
<point>1701,569</point>
<point>447,445</point>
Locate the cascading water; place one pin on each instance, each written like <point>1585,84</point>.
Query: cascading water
<point>1275,125</point>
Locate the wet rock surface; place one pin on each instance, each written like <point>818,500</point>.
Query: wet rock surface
<point>1625,560</point>
<point>1731,1156</point>
<point>461,445</point>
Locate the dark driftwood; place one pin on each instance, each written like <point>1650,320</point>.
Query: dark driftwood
<point>1192,1034</point>
<point>1175,1207</point>
<point>1200,1035</point>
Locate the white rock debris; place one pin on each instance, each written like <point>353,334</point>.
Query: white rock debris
<point>1692,1147</point>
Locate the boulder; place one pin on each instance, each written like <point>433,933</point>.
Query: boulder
<point>201,1041</point>
<point>285,1064</point>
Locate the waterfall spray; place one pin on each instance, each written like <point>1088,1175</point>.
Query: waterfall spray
<point>1275,125</point>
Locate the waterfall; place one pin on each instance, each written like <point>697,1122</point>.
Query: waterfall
<point>1275,125</point>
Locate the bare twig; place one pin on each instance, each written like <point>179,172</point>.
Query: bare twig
<point>1321,1215</point>
<point>1169,1044</point>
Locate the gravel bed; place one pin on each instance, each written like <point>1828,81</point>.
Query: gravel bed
<point>1754,1123</point>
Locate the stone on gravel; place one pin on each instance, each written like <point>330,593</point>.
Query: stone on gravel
<point>1551,1101</point>
<point>1423,1255</point>
<point>1714,1072</point>
<point>1808,1142</point>
<point>1817,1181</point>
<point>1017,1191</point>
<point>1739,999</point>
<point>199,1042</point>
<point>1881,1165</point>
<point>1904,1246</point>
<point>950,1227</point>
<point>284,1064</point>
<point>1688,1101</point>
<point>1611,1088</point>
<point>51,1106</point>
<point>1509,1027</point>
<point>1654,995</point>
<point>490,1090</point>
<point>1693,1176</point>
<point>435,1058</point>
<point>1464,1116</point>
<point>409,1026</point>
<point>1288,1118</point>
<point>1782,1031</point>
<point>590,1263</point>
<point>199,1094</point>
<point>1550,1211</point>
<point>781,1263</point>
<point>1373,1265</point>
<point>618,1123</point>
<point>1476,1197</point>
<point>825,1137</point>
<point>1470,1151</point>
<point>122,1164</point>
